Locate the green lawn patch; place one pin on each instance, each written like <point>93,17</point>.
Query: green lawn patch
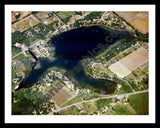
<point>102,103</point>
<point>140,103</point>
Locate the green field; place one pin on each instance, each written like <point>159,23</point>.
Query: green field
<point>103,103</point>
<point>121,110</point>
<point>93,15</point>
<point>65,15</point>
<point>82,97</point>
<point>70,111</point>
<point>139,103</point>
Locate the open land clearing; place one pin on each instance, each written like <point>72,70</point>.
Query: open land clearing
<point>60,96</point>
<point>18,15</point>
<point>139,20</point>
<point>126,65</point>
<point>25,23</point>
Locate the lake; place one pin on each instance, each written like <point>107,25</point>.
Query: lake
<point>70,48</point>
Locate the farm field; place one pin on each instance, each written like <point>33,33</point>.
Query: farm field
<point>126,65</point>
<point>60,96</point>
<point>46,17</point>
<point>65,15</point>
<point>24,24</point>
<point>142,99</point>
<point>79,62</point>
<point>139,20</point>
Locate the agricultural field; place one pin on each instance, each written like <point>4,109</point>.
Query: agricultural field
<point>115,81</point>
<point>139,20</point>
<point>111,106</point>
<point>141,105</point>
<point>47,17</point>
<point>65,15</point>
<point>82,96</point>
<point>138,79</point>
<point>69,111</point>
<point>18,15</point>
<point>25,23</point>
<point>126,65</point>
<point>60,96</point>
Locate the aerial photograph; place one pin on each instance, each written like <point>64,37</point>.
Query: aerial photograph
<point>80,63</point>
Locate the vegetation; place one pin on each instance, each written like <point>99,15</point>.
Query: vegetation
<point>26,42</point>
<point>76,23</point>
<point>139,102</point>
<point>50,27</point>
<point>26,101</point>
<point>17,16</point>
<point>121,110</point>
<point>17,36</point>
<point>125,86</point>
<point>15,50</point>
<point>70,111</point>
<point>134,86</point>
<point>66,19</point>
<point>81,97</point>
<point>89,108</point>
<point>78,13</point>
<point>116,50</point>
<point>74,100</point>
<point>22,57</point>
<point>138,79</point>
<point>108,19</point>
<point>141,37</point>
<point>38,32</point>
<point>13,73</point>
<point>102,103</point>
<point>65,15</point>
<point>93,15</point>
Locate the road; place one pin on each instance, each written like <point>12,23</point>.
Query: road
<point>17,55</point>
<point>24,51</point>
<point>59,19</point>
<point>103,97</point>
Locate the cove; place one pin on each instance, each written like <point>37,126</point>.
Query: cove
<point>70,48</point>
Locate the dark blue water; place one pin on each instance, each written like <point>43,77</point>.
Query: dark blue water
<point>73,46</point>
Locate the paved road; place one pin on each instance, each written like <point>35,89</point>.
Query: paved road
<point>103,97</point>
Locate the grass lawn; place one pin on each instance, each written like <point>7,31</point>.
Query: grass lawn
<point>102,103</point>
<point>121,110</point>
<point>64,14</point>
<point>74,100</point>
<point>70,111</point>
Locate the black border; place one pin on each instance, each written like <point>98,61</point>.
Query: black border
<point>153,125</point>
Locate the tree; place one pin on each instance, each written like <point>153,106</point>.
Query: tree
<point>17,37</point>
<point>50,27</point>
<point>25,99</point>
<point>26,42</point>
<point>15,50</point>
<point>78,13</point>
